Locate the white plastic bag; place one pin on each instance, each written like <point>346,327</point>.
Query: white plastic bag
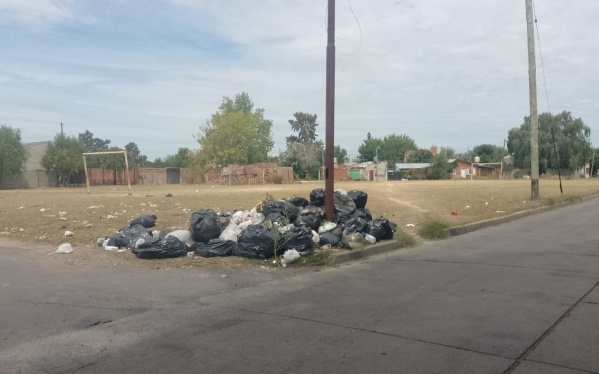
<point>289,257</point>
<point>231,232</point>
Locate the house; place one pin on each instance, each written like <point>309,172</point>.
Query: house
<point>368,171</point>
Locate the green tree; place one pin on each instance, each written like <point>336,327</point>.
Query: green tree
<point>305,126</point>
<point>236,134</point>
<point>262,142</point>
<point>447,152</point>
<point>178,160</point>
<point>440,167</point>
<point>135,158</point>
<point>340,155</point>
<point>64,156</point>
<point>93,144</point>
<point>225,138</point>
<point>304,153</point>
<point>391,148</point>
<point>12,152</point>
<point>420,155</point>
<point>572,140</point>
<point>489,153</point>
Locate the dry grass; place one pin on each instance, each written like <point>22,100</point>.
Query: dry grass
<point>408,202</point>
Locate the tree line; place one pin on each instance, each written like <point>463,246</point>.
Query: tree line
<point>239,133</point>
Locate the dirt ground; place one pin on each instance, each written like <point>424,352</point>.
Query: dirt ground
<point>40,217</point>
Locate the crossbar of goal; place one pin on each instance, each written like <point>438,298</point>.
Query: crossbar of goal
<point>107,153</point>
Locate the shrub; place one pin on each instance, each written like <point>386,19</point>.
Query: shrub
<point>433,230</point>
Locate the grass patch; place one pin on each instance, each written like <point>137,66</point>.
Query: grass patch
<point>433,230</point>
<point>318,258</point>
<point>404,238</point>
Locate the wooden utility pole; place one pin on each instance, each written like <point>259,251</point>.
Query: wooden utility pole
<point>61,130</point>
<point>532,92</point>
<point>329,171</point>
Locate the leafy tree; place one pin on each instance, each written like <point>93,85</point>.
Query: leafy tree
<point>420,155</point>
<point>572,140</point>
<point>114,162</point>
<point>304,153</point>
<point>489,153</point>
<point>178,160</point>
<point>64,156</point>
<point>262,142</point>
<point>440,167</point>
<point>236,134</point>
<point>340,155</point>
<point>305,125</point>
<point>92,144</point>
<point>225,138</point>
<point>12,152</point>
<point>135,158</point>
<point>391,148</point>
<point>447,152</point>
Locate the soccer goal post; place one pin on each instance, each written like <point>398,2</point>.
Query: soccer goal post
<point>106,153</point>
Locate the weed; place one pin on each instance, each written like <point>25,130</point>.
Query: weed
<point>433,230</point>
<point>318,258</point>
<point>404,238</point>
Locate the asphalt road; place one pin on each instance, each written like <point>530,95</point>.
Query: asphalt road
<point>518,298</point>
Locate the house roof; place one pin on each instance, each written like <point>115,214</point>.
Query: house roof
<point>412,166</point>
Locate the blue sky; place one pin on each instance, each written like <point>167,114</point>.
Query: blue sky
<point>445,72</point>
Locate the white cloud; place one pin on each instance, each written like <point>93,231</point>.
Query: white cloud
<point>37,12</point>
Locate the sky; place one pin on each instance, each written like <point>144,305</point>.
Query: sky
<point>444,72</point>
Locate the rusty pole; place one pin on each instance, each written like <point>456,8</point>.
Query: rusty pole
<point>329,185</point>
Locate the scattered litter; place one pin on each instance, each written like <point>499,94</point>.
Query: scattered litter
<point>146,220</point>
<point>467,207</point>
<point>43,209</point>
<point>289,257</point>
<point>4,233</point>
<point>185,210</point>
<point>93,207</point>
<point>21,207</point>
<point>370,239</point>
<point>110,216</point>
<point>223,275</point>
<point>455,213</point>
<point>486,203</point>
<point>410,225</point>
<point>500,211</point>
<point>65,248</point>
<point>68,233</point>
<point>168,195</point>
<point>88,226</point>
<point>111,248</point>
<point>21,230</point>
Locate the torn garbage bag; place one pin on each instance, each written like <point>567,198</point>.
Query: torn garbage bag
<point>317,197</point>
<point>298,238</point>
<point>344,206</point>
<point>284,208</point>
<point>382,229</point>
<point>146,220</point>
<point>310,216</point>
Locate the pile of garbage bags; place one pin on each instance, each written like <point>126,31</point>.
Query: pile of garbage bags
<point>272,228</point>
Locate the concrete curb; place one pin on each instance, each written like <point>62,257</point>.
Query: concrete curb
<point>371,250</point>
<point>470,227</point>
<point>392,245</point>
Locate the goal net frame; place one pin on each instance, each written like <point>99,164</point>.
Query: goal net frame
<point>106,153</point>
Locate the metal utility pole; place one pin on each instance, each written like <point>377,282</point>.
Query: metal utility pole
<point>532,91</point>
<point>329,171</point>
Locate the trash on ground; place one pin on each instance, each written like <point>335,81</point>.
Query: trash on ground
<point>65,248</point>
<point>68,233</point>
<point>290,256</point>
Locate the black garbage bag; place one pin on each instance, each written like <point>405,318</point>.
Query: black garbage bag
<point>310,216</point>
<point>332,237</point>
<point>355,225</point>
<point>168,247</point>
<point>299,202</point>
<point>204,225</point>
<point>359,197</point>
<point>284,208</point>
<point>362,213</point>
<point>255,241</point>
<point>128,236</point>
<point>317,197</point>
<point>216,248</point>
<point>344,206</point>
<point>382,229</point>
<point>298,238</point>
<point>146,220</point>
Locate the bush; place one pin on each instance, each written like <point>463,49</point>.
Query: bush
<point>404,238</point>
<point>433,230</point>
<point>277,179</point>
